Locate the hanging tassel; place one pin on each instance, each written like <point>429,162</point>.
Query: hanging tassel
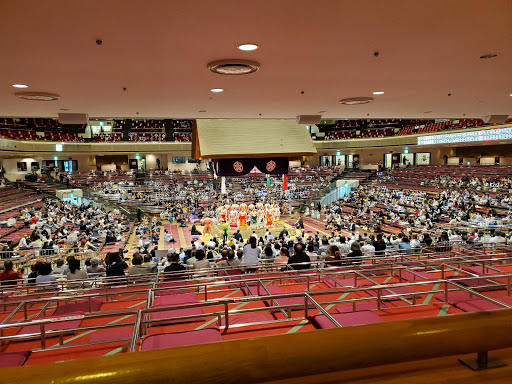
<point>285,184</point>
<point>223,185</point>
<point>268,182</point>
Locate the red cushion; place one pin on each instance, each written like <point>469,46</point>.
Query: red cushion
<point>75,320</point>
<point>277,290</point>
<point>360,306</point>
<point>396,290</point>
<point>344,283</point>
<point>13,359</point>
<point>180,339</point>
<point>167,300</point>
<point>408,276</point>
<point>346,319</point>
<point>79,307</point>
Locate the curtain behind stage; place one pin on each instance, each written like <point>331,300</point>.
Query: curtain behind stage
<point>237,167</point>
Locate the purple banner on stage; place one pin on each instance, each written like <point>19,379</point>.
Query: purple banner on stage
<point>237,167</point>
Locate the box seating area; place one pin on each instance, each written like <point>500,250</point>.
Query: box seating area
<point>147,312</point>
<point>183,136</point>
<point>305,180</point>
<point>373,133</point>
<point>105,137</point>
<point>440,126</point>
<point>414,176</point>
<point>341,135</point>
<point>145,136</point>
<point>147,126</point>
<point>35,129</point>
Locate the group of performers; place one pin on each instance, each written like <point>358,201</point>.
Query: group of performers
<point>257,215</point>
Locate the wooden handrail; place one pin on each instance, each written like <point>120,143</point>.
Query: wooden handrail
<point>286,356</point>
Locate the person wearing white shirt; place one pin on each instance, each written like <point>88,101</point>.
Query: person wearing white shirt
<point>498,239</point>
<point>368,249</point>
<point>23,242</point>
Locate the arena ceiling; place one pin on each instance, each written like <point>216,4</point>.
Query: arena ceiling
<point>159,50</point>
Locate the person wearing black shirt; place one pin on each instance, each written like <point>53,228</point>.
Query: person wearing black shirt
<point>300,223</point>
<point>355,256</point>
<point>299,257</point>
<point>116,266</point>
<point>380,246</point>
<point>175,266</point>
<point>238,236</point>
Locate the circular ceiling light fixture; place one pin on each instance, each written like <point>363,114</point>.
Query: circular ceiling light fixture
<point>356,100</point>
<point>489,56</point>
<point>20,86</point>
<point>247,47</point>
<point>378,93</point>
<point>37,96</point>
<point>233,67</point>
<point>216,90</point>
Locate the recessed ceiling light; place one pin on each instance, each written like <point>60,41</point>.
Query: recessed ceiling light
<point>510,94</point>
<point>217,90</point>
<point>489,56</point>
<point>427,112</point>
<point>378,93</point>
<point>248,47</point>
<point>20,86</point>
<point>202,110</point>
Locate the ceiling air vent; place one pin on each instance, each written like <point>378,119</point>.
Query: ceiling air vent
<point>37,96</point>
<point>233,67</point>
<point>356,100</point>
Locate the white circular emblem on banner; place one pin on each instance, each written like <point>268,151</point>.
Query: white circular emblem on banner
<point>238,166</point>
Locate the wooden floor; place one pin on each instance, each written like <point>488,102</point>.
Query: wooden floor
<point>439,370</point>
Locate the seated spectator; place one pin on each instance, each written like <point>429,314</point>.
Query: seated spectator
<point>95,266</point>
<point>137,268</point>
<point>115,266</point>
<point>282,260</point>
<point>168,237</point>
<point>367,249</point>
<point>175,267</point>
<point>24,242</point>
<point>9,277</point>
<point>75,273</point>
<point>333,258</point>
<point>34,271</point>
<point>148,262</point>
<point>355,254</point>
<point>268,254</point>
<point>201,262</point>
<point>44,279</point>
<point>194,231</point>
<point>300,260</point>
<point>110,238</point>
<point>405,245</point>
<point>230,260</point>
<point>60,268</point>
<point>380,246</point>
<point>251,252</point>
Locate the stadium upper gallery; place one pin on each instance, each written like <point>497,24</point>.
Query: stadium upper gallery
<point>256,192</point>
